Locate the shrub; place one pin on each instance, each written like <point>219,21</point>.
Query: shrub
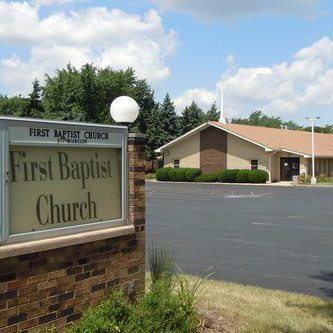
<point>111,316</point>
<point>173,175</point>
<point>162,174</point>
<point>322,178</point>
<point>258,176</point>
<point>163,310</point>
<point>222,176</point>
<point>180,174</point>
<point>191,174</point>
<point>206,178</point>
<point>232,175</point>
<point>227,175</point>
<point>177,174</point>
<point>301,179</point>
<point>242,176</point>
<point>304,179</point>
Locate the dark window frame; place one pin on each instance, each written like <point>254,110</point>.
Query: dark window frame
<point>176,165</point>
<point>254,164</point>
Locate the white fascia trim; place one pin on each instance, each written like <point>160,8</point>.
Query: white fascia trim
<point>182,137</point>
<point>268,149</point>
<point>293,152</point>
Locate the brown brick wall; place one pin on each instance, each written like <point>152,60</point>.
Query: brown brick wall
<point>55,286</point>
<point>213,150</point>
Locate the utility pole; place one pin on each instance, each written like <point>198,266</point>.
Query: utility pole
<point>312,120</point>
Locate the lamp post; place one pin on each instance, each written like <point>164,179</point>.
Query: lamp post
<point>124,110</point>
<point>312,120</point>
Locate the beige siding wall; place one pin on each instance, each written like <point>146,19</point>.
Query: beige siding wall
<point>323,166</point>
<point>239,155</point>
<point>187,151</point>
<point>241,152</point>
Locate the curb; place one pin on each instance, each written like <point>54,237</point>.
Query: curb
<point>217,183</point>
<point>242,184</point>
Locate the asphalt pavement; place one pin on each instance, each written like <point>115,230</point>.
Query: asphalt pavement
<point>268,236</point>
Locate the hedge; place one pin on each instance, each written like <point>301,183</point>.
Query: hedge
<point>173,175</point>
<point>177,174</point>
<point>207,178</point>
<point>224,176</point>
<point>191,174</point>
<point>258,176</point>
<point>163,174</point>
<point>243,176</point>
<point>227,175</point>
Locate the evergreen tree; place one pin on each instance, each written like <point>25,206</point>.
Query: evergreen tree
<point>155,139</point>
<point>89,93</point>
<point>192,117</point>
<point>169,120</point>
<point>144,95</point>
<point>34,107</point>
<point>213,114</point>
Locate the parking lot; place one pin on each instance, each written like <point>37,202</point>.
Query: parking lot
<point>274,237</point>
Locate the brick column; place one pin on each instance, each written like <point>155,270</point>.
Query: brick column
<point>137,199</point>
<point>55,286</point>
<point>136,177</point>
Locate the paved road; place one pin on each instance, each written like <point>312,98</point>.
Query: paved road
<point>274,237</point>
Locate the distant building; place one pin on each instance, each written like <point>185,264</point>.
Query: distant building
<point>281,152</point>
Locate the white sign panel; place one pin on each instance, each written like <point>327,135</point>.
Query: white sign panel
<point>60,177</point>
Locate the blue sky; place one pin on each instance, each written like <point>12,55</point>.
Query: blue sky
<point>272,55</point>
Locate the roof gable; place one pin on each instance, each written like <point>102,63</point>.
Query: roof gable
<point>283,139</point>
<point>270,139</point>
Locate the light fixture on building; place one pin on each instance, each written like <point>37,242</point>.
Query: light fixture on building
<point>124,110</point>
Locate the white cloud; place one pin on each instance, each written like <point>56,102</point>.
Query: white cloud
<point>202,97</point>
<point>50,2</point>
<point>96,35</point>
<point>305,82</point>
<point>229,9</point>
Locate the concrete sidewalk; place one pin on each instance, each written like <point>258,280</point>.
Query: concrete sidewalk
<point>277,184</point>
<point>284,184</point>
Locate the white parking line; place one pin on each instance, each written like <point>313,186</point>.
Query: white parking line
<point>288,225</point>
<point>151,192</point>
<point>306,217</point>
<point>252,195</point>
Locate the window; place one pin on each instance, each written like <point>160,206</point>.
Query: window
<point>254,164</point>
<point>176,163</point>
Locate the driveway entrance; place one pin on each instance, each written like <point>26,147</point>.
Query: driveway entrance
<point>269,236</point>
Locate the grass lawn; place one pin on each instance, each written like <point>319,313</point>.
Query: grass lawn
<point>258,310</point>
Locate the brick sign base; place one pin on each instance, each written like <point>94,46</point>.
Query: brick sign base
<point>38,290</point>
